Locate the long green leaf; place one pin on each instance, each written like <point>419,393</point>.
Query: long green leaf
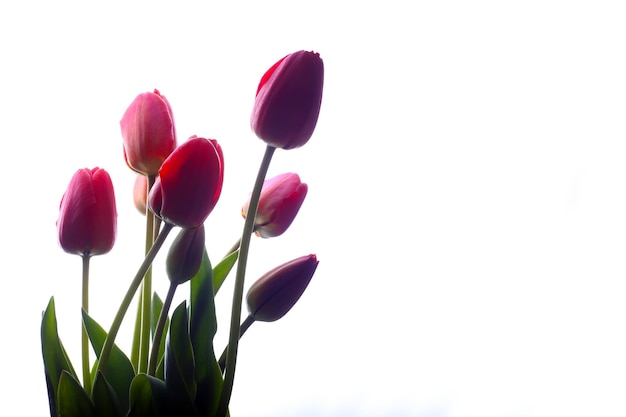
<point>105,399</point>
<point>73,400</point>
<point>55,358</point>
<point>119,372</point>
<point>221,270</point>
<point>180,364</point>
<point>148,397</point>
<point>202,331</point>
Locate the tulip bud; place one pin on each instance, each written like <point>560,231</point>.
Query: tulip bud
<point>148,132</point>
<point>87,222</point>
<point>280,200</point>
<point>276,292</point>
<point>189,183</point>
<point>140,191</point>
<point>185,255</point>
<point>288,100</point>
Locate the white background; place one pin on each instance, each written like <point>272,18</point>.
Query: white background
<point>467,195</point>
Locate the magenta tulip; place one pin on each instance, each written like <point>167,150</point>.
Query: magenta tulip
<point>189,183</point>
<point>288,100</point>
<point>278,290</point>
<point>148,132</point>
<point>280,201</point>
<point>87,223</point>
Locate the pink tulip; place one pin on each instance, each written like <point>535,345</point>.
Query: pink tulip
<point>140,191</point>
<point>280,200</point>
<point>189,183</point>
<point>87,223</point>
<point>288,100</point>
<point>278,290</point>
<point>148,132</point>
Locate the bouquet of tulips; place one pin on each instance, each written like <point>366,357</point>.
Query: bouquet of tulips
<point>173,369</point>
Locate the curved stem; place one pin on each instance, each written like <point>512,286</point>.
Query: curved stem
<point>233,340</point>
<point>134,285</point>
<point>85,339</point>
<point>244,326</point>
<point>158,331</point>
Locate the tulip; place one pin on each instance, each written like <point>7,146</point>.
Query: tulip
<point>140,191</point>
<point>185,255</point>
<point>87,222</point>
<point>280,200</point>
<point>288,100</point>
<point>189,183</point>
<point>276,292</point>
<point>148,132</point>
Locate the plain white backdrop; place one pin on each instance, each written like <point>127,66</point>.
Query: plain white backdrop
<point>467,195</point>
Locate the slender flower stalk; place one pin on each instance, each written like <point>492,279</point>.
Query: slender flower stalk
<point>245,325</point>
<point>235,317</point>
<point>132,289</point>
<point>85,339</point>
<point>146,291</point>
<point>158,331</point>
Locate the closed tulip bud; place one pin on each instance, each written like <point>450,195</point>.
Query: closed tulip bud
<point>189,183</point>
<point>140,192</point>
<point>87,223</point>
<point>185,255</point>
<point>148,132</point>
<point>280,200</point>
<point>288,100</point>
<point>276,292</point>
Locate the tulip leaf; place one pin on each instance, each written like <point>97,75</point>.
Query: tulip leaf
<point>203,328</point>
<point>157,306</point>
<point>119,371</point>
<point>221,270</point>
<point>55,358</point>
<point>105,399</point>
<point>73,400</point>
<point>180,363</point>
<point>148,397</point>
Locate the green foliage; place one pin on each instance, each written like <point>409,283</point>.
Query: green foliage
<point>221,271</point>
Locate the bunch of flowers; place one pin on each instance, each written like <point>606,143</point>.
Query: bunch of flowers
<point>173,369</point>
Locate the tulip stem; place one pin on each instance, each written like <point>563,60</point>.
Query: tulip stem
<point>146,292</point>
<point>158,331</point>
<point>85,339</point>
<point>235,318</point>
<point>132,289</point>
<point>244,326</point>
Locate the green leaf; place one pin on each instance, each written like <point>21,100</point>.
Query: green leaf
<point>105,399</point>
<point>202,331</point>
<point>55,358</point>
<point>180,363</point>
<point>119,371</point>
<point>72,398</point>
<point>148,397</point>
<point>157,306</point>
<point>221,271</point>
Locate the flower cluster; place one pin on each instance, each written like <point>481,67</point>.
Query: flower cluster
<point>172,369</point>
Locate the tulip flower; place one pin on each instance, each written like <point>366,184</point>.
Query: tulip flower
<point>140,191</point>
<point>189,183</point>
<point>185,255</point>
<point>148,132</point>
<point>87,223</point>
<point>280,200</point>
<point>278,290</point>
<point>288,100</point>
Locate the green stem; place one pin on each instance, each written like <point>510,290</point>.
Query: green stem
<point>146,292</point>
<point>233,339</point>
<point>134,285</point>
<point>158,331</point>
<point>244,326</point>
<point>85,339</point>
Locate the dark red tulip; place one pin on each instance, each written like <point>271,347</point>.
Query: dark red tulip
<point>185,255</point>
<point>280,201</point>
<point>148,132</point>
<point>276,292</point>
<point>87,223</point>
<point>189,183</point>
<point>288,100</point>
